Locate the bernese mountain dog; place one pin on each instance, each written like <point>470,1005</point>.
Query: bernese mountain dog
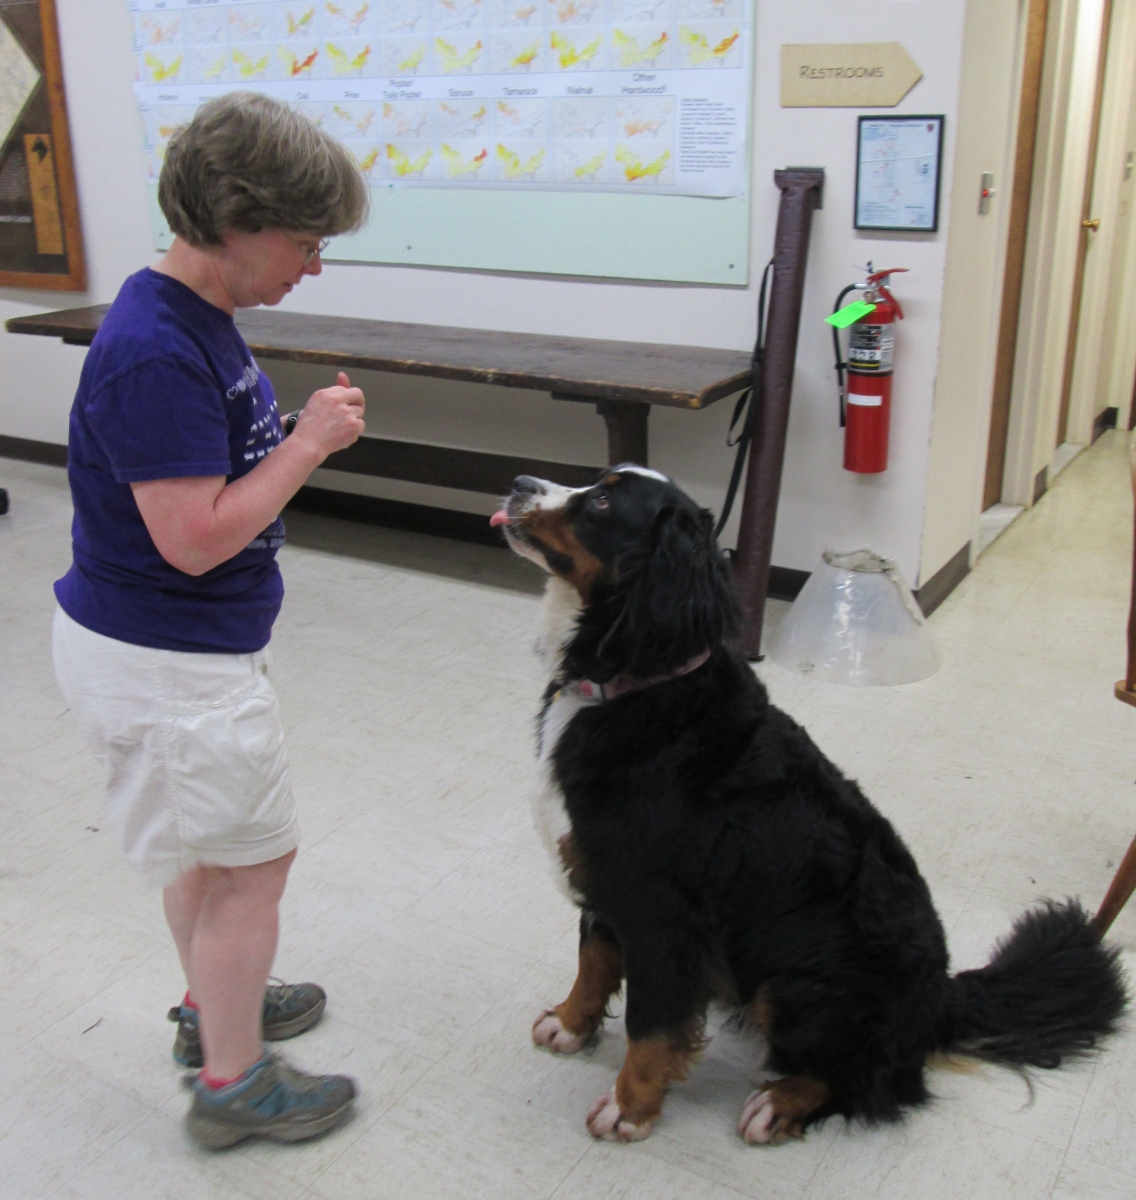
<point>717,855</point>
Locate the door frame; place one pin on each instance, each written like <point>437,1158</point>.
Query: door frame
<point>1092,371</point>
<point>1057,195</point>
<point>1036,18</point>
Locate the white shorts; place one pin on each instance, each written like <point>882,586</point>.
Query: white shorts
<point>192,746</point>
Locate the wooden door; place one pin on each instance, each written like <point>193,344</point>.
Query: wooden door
<point>1088,228</point>
<point>1037,19</point>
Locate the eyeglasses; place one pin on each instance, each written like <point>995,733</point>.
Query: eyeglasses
<point>310,252</point>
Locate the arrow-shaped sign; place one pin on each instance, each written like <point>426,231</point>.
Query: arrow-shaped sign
<point>866,75</point>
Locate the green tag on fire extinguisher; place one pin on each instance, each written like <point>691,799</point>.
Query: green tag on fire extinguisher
<point>850,314</point>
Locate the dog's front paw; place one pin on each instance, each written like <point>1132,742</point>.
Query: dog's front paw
<point>757,1117</point>
<point>761,1124</point>
<point>548,1030</point>
<point>606,1121</point>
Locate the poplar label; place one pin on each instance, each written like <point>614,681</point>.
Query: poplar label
<point>864,75</point>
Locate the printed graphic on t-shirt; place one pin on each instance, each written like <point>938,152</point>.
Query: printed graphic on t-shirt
<point>264,435</point>
<point>264,431</point>
<point>271,538</point>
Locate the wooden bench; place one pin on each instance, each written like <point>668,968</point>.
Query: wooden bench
<point>622,379</point>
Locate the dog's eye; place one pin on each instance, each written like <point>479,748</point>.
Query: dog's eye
<point>600,502</point>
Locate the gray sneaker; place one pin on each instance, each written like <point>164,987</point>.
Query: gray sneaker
<point>289,1009</point>
<point>270,1100</point>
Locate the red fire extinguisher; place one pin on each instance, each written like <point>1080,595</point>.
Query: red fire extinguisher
<point>865,399</point>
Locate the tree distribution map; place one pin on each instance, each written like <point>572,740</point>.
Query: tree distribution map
<point>573,95</point>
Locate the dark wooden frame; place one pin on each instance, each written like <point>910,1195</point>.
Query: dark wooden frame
<point>934,227</point>
<point>75,279</point>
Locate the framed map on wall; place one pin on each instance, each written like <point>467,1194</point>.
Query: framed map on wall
<point>40,241</point>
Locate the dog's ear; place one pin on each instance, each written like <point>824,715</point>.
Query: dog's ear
<point>672,598</point>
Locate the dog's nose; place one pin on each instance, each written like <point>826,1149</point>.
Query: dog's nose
<point>527,485</point>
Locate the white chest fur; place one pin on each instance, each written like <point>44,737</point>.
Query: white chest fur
<point>559,614</point>
<point>547,799</point>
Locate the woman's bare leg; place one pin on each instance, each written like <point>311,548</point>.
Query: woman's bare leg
<point>228,953</point>
<point>182,902</point>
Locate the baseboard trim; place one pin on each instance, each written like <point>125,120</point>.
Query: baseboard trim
<point>1040,484</point>
<point>944,581</point>
<point>785,583</point>
<point>51,454</point>
<point>1106,419</point>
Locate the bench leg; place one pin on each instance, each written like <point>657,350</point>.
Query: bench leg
<point>626,431</point>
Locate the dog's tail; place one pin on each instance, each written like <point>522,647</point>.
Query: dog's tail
<point>1052,991</point>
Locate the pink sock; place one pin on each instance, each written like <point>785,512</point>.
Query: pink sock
<point>213,1083</point>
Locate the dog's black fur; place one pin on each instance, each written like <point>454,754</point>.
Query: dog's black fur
<point>729,859</point>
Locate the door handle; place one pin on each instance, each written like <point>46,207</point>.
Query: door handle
<point>1094,224</point>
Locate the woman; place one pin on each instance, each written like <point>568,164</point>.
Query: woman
<point>179,470</point>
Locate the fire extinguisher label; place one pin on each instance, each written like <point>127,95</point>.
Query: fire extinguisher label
<point>865,401</point>
<point>872,349</point>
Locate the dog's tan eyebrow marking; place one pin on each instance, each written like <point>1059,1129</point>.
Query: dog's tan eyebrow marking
<point>611,479</point>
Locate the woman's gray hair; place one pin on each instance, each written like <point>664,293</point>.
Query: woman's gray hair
<point>247,162</point>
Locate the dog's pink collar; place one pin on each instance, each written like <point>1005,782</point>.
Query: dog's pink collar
<point>621,685</point>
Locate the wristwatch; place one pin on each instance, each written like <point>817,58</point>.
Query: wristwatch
<point>288,422</point>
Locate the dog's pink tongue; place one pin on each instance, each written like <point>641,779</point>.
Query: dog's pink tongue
<point>501,517</point>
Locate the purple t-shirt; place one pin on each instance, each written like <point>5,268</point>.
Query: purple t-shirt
<point>169,389</point>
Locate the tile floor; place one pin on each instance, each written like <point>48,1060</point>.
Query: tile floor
<point>421,900</point>
<point>994,522</point>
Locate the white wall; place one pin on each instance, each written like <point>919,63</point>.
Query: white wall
<point>37,376</point>
<point>821,505</point>
<point>976,259</point>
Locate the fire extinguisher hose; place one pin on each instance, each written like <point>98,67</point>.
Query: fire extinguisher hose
<point>841,365</point>
<point>745,411</point>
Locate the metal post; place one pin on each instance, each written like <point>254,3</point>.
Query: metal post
<point>800,196</point>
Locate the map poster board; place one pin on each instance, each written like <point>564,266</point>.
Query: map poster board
<point>898,168</point>
<point>583,137</point>
<point>611,95</point>
<point>40,241</point>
